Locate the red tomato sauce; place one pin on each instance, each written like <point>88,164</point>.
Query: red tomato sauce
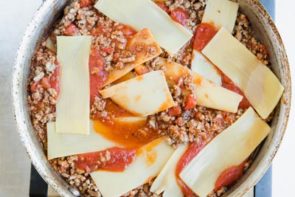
<point>229,176</point>
<point>97,73</point>
<point>163,6</point>
<point>119,159</point>
<point>174,111</point>
<point>190,102</point>
<point>115,110</point>
<point>128,31</point>
<point>71,30</point>
<point>85,3</point>
<point>179,15</point>
<point>229,84</point>
<point>203,34</point>
<point>126,134</point>
<point>188,155</point>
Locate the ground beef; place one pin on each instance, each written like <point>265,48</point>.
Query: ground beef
<point>196,124</point>
<point>80,180</point>
<point>195,9</point>
<point>192,124</point>
<point>244,33</point>
<point>98,107</point>
<point>142,191</point>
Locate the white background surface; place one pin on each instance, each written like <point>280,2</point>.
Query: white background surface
<point>284,162</point>
<point>14,163</point>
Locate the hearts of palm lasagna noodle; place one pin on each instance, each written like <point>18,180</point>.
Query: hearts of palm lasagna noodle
<point>222,13</point>
<point>207,93</point>
<point>145,48</point>
<point>214,96</point>
<point>61,145</point>
<point>260,86</point>
<point>143,95</point>
<point>234,145</point>
<point>72,108</point>
<point>148,163</point>
<point>131,119</point>
<point>146,14</point>
<point>166,181</point>
<point>203,67</point>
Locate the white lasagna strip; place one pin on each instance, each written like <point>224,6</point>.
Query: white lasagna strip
<point>204,68</point>
<point>214,96</point>
<point>146,14</point>
<point>143,95</point>
<point>141,46</point>
<point>166,181</point>
<point>260,86</point>
<point>222,13</point>
<point>207,93</point>
<point>131,119</point>
<point>61,145</point>
<point>230,148</point>
<point>72,108</point>
<point>147,164</point>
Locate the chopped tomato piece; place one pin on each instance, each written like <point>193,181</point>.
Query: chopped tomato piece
<point>112,159</point>
<point>174,111</point>
<point>85,3</point>
<point>33,87</point>
<point>180,15</point>
<point>98,75</point>
<point>108,50</point>
<point>229,176</point>
<point>229,84</point>
<point>54,79</point>
<point>45,83</point>
<point>244,104</point>
<point>190,102</point>
<point>204,33</point>
<point>128,31</point>
<point>163,6</point>
<point>71,30</point>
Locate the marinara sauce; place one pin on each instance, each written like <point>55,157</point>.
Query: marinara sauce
<point>112,159</point>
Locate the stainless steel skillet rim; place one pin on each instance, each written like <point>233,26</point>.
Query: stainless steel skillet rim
<point>281,117</point>
<point>36,153</point>
<point>20,108</point>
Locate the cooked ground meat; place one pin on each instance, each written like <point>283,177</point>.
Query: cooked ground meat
<point>110,39</point>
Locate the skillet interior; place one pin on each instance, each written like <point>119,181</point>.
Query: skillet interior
<point>51,10</point>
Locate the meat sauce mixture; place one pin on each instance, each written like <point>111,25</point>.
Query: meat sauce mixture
<point>183,123</point>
